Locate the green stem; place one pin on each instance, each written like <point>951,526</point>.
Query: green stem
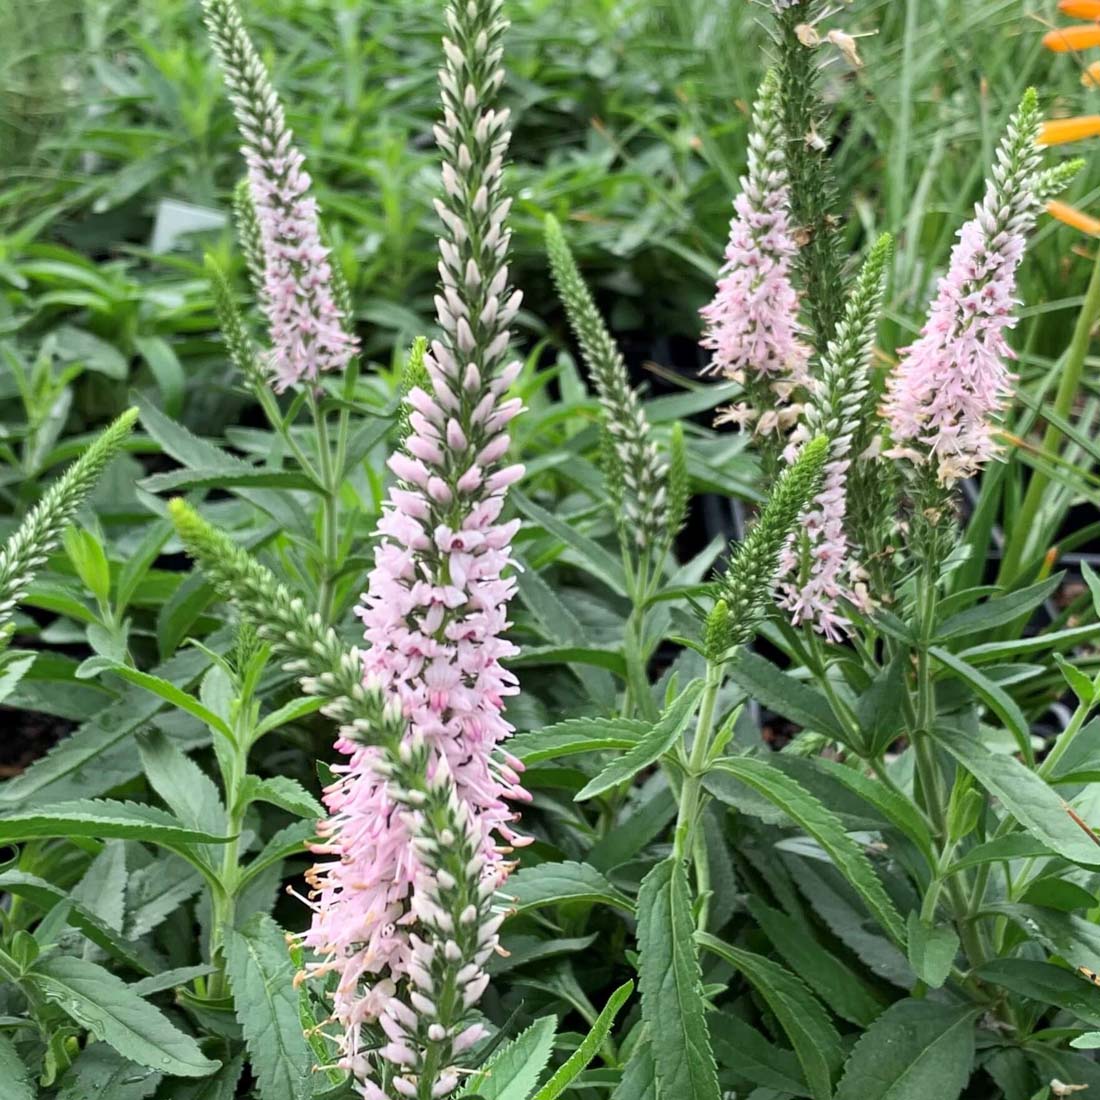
<point>1024,525</point>
<point>691,791</point>
<point>637,679</point>
<point>928,770</point>
<point>330,533</point>
<point>1065,739</point>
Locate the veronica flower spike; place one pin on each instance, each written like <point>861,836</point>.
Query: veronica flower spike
<point>819,564</point>
<point>435,612</point>
<point>309,329</point>
<point>752,328</point>
<point>949,387</point>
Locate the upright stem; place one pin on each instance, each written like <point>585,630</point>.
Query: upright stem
<point>1024,524</point>
<point>931,781</point>
<point>641,694</point>
<point>330,534</point>
<point>691,791</point>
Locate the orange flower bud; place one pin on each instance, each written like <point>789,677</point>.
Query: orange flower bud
<point>1091,76</point>
<point>1071,216</point>
<point>1080,9</point>
<point>1059,131</point>
<point>1064,39</point>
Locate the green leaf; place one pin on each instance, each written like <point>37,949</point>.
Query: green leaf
<point>915,1050</point>
<point>101,1071</point>
<point>1002,848</point>
<point>45,895</point>
<point>170,979</point>
<point>176,697</point>
<point>225,477</point>
<point>15,1075</point>
<point>155,891</point>
<point>537,656</point>
<point>1047,984</point>
<point>825,827</point>
<point>189,792</point>
<point>513,1071</point>
<point>672,987</point>
<point>166,368</point>
<point>742,1049</point>
<point>262,977</point>
<point>112,1012</point>
<point>1077,940</point>
<point>932,950</point>
<point>650,748</point>
<point>289,712</point>
<point>221,1086</point>
<point>284,792</point>
<point>1023,794</point>
<point>105,819</point>
<point>811,1032</point>
<point>639,1081</point>
<point>555,883</point>
<point>139,562</point>
<point>595,559</point>
<point>841,989</point>
<point>287,842</point>
<point>785,695</point>
<point>575,736</point>
<point>995,697</point>
<point>880,710</point>
<point>589,1045</point>
<point>998,611</point>
<point>1080,684</point>
<point>98,755</point>
<point>899,811</point>
<point>1093,582</point>
<point>14,665</point>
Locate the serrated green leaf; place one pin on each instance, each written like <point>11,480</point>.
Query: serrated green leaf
<point>993,695</point>
<point>589,1045</point>
<point>782,693</point>
<point>175,697</point>
<point>169,979</point>
<point>742,1049</point>
<point>188,791</point>
<point>594,558</point>
<point>838,986</point>
<point>101,890</point>
<point>289,712</point>
<point>100,1071</point>
<point>110,1010</point>
<point>14,665</point>
<point>262,978</point>
<point>577,735</point>
<point>816,1042</point>
<point>650,748</point>
<point>1047,984</point>
<point>825,827</point>
<point>999,610</point>
<point>880,710</point>
<point>220,1086</point>
<point>555,883</point>
<point>157,890</point>
<point>105,819</point>
<point>639,1081</point>
<point>97,756</point>
<point>284,792</point>
<point>287,842</point>
<point>932,950</point>
<point>671,986</point>
<point>1023,794</point>
<point>915,1050</point>
<point>14,1073</point>
<point>1079,683</point>
<point>1002,848</point>
<point>514,1070</point>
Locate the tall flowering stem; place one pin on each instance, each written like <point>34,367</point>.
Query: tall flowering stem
<point>435,612</point>
<point>452,885</point>
<point>638,475</point>
<point>951,385</point>
<point>309,329</point>
<point>820,259</point>
<point>26,550</point>
<point>819,563</point>
<point>752,327</point>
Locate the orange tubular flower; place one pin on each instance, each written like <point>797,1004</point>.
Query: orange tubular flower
<point>1065,39</point>
<point>1061,131</point>
<point>1070,215</point>
<point>1080,9</point>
